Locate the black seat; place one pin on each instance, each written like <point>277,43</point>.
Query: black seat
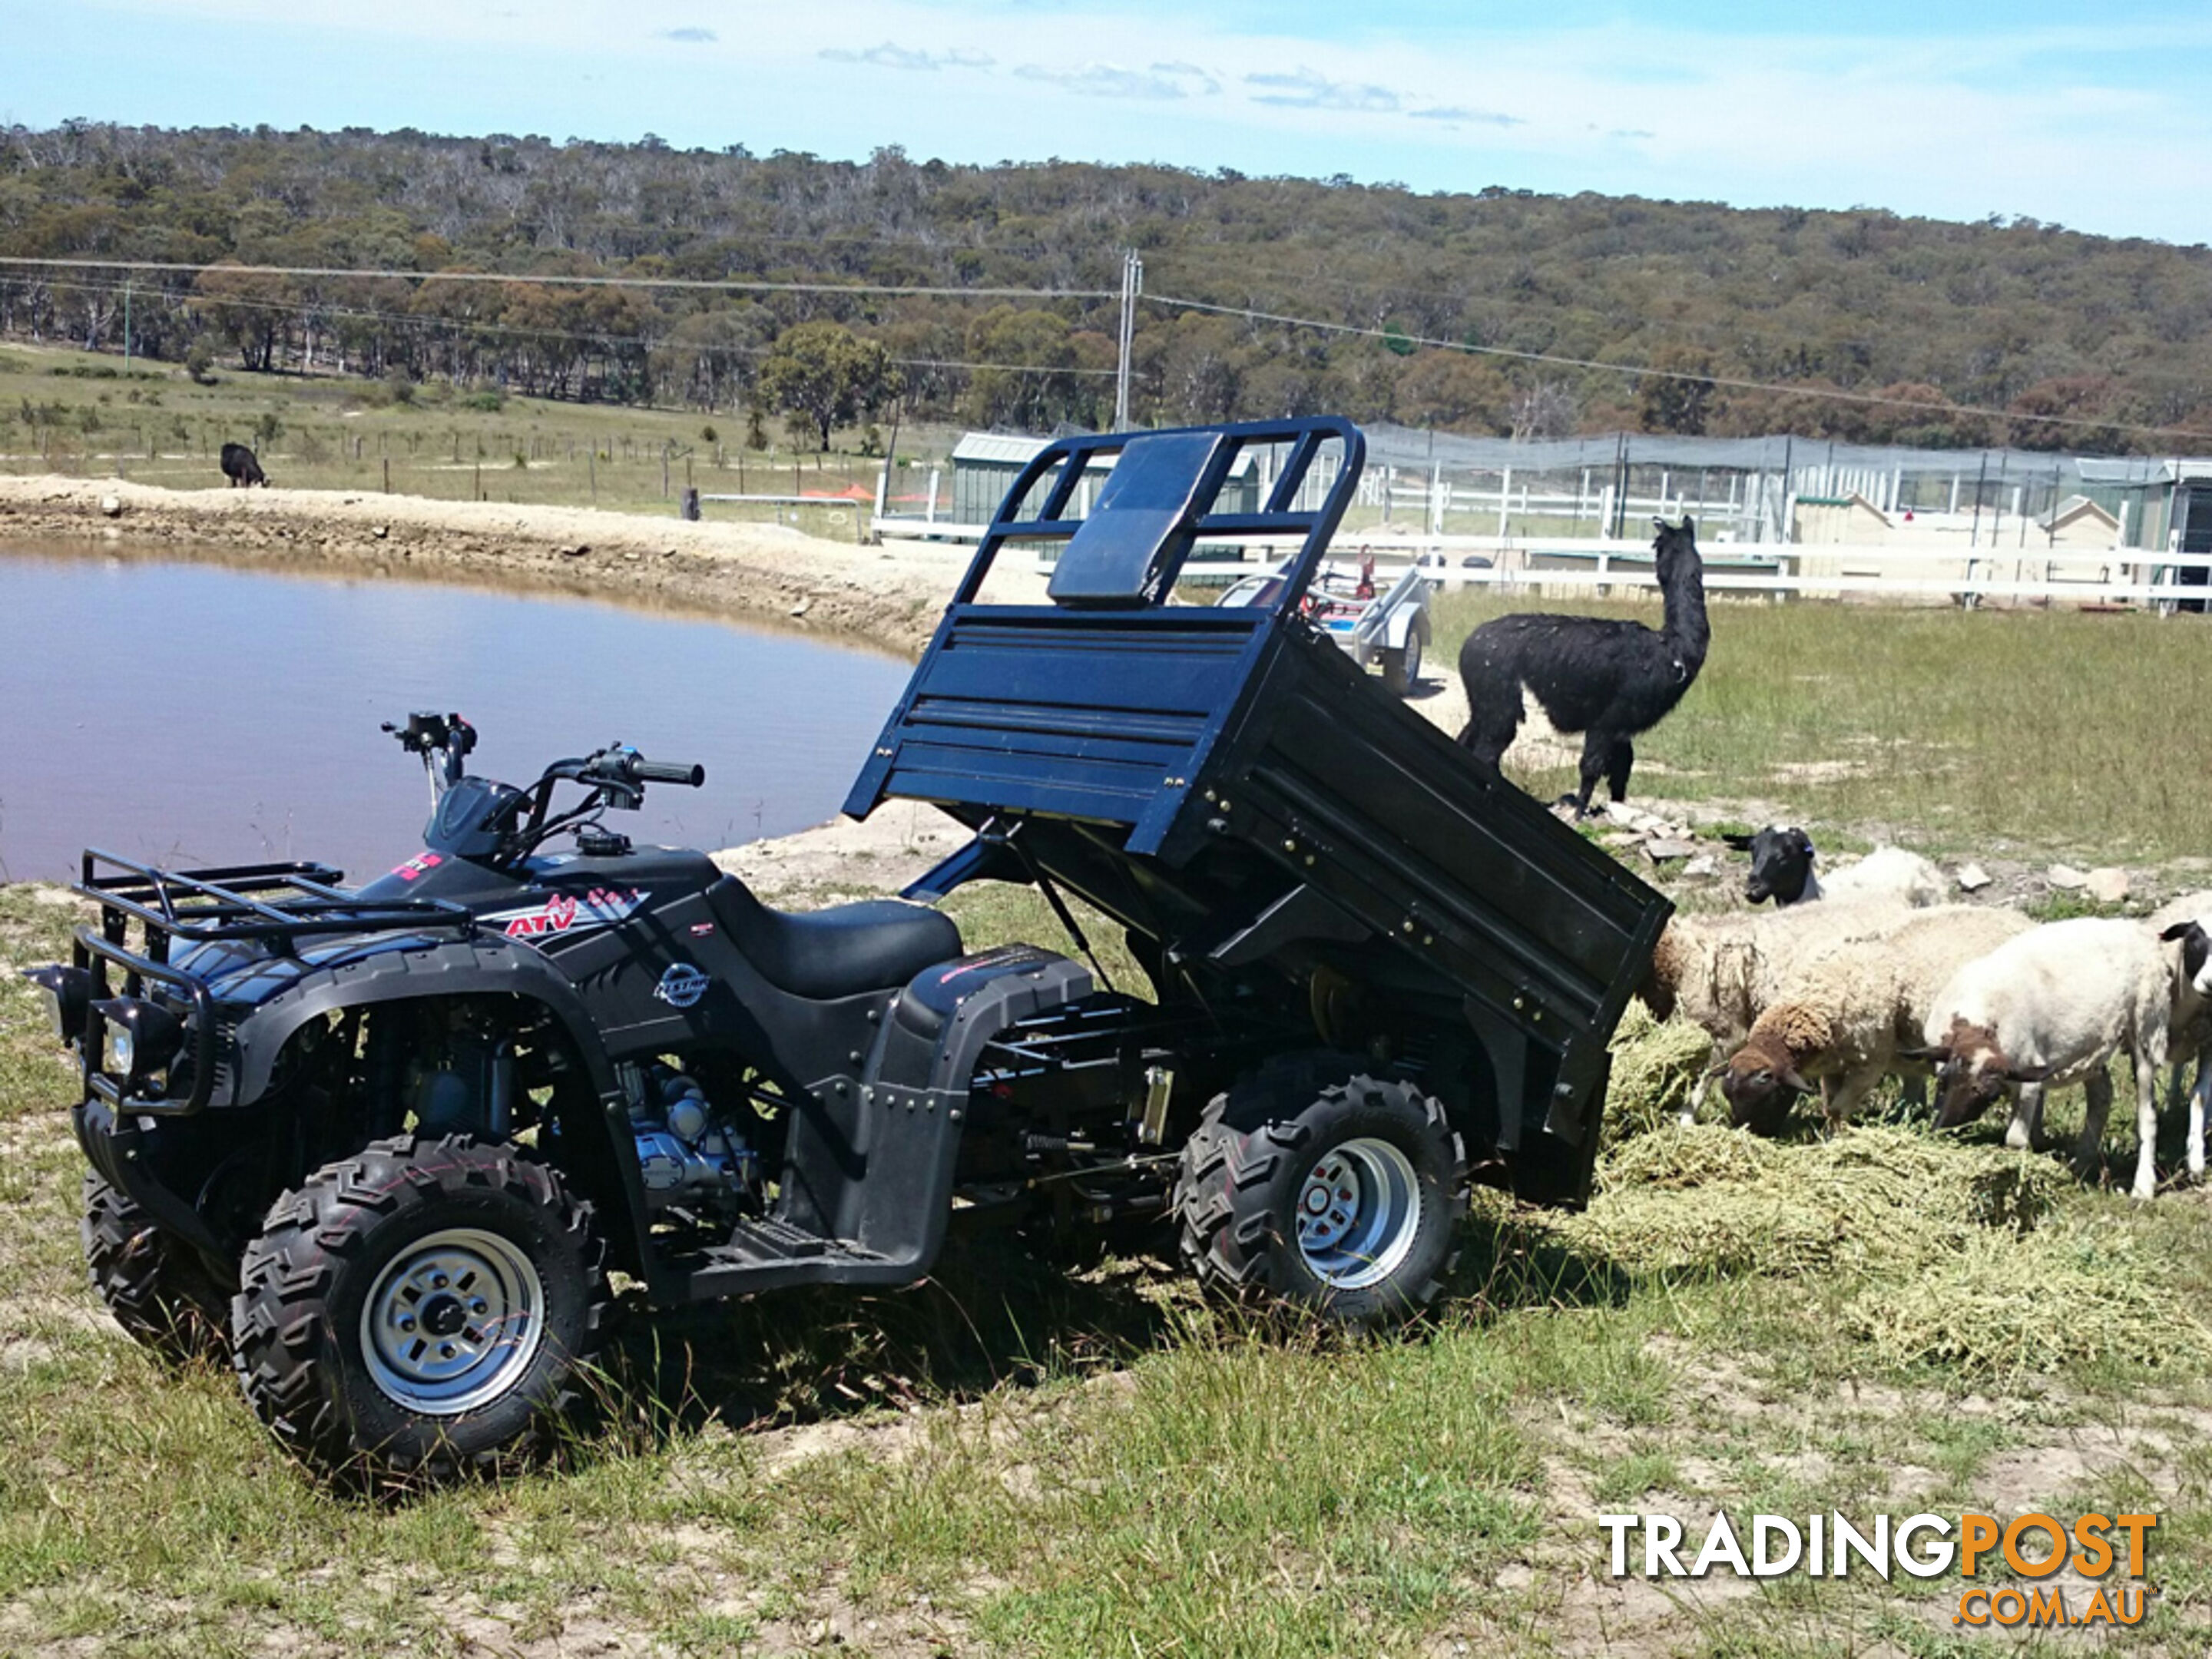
<point>839,952</point>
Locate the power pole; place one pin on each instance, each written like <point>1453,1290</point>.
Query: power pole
<point>126,322</point>
<point>1133,284</point>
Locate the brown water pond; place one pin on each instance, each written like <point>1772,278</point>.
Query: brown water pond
<point>199,713</point>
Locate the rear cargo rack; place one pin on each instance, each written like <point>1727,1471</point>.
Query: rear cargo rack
<point>271,905</point>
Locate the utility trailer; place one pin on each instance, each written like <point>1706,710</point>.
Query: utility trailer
<point>381,1144</point>
<point>1303,867</point>
<point>1387,628</point>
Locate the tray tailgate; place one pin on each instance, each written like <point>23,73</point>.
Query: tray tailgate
<point>1101,716</point>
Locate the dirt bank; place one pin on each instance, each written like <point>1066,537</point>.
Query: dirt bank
<point>890,596</point>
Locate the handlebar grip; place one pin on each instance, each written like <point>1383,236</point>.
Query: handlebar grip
<point>646,771</point>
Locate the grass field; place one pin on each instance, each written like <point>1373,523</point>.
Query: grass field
<point>1021,1459</point>
<point>2007,734</point>
<point>1016,1459</point>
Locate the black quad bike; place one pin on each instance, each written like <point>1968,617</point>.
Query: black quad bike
<point>386,1143</point>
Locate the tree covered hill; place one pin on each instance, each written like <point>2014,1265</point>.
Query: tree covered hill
<point>2033,319</point>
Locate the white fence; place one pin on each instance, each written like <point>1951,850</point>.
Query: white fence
<point>1830,570</point>
<point>1781,570</point>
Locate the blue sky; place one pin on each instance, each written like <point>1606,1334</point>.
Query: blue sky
<point>1953,111</point>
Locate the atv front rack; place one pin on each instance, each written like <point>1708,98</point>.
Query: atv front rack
<point>269,904</point>
<point>272,905</point>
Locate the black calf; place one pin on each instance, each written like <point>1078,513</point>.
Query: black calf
<point>239,466</point>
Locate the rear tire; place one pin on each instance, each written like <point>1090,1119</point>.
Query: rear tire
<point>1314,1184</point>
<point>157,1287</point>
<point>425,1307</point>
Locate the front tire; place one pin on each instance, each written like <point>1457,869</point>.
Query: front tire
<point>1319,1186</point>
<point>156,1287</point>
<point>425,1307</point>
<point>1402,669</point>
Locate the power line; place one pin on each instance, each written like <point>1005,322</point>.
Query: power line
<point>694,283</point>
<point>1636,371</point>
<point>1557,312</point>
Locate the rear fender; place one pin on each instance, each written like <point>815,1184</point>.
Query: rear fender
<point>873,1161</point>
<point>1407,622</point>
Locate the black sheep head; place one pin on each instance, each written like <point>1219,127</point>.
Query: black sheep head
<point>1761,1090</point>
<point>1782,858</point>
<point>2196,955</point>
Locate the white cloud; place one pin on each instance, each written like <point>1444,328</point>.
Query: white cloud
<point>1309,88</point>
<point>2098,124</point>
<point>1160,81</point>
<point>891,56</point>
<point>1460,115</point>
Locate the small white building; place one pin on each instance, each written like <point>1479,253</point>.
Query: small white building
<point>2077,521</point>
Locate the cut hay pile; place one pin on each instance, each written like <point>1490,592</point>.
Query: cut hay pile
<point>1939,1252</point>
<point>1654,1066</point>
<point>2073,1293</point>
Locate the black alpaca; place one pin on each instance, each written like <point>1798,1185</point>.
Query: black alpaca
<point>1607,680</point>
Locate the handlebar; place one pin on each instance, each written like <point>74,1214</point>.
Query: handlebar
<point>646,771</point>
<point>623,766</point>
<point>517,820</point>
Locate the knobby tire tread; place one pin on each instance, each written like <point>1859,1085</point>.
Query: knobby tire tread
<point>1227,1237</point>
<point>282,1339</point>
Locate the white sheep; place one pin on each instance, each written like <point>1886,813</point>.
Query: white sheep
<point>2052,1006</point>
<point>1718,971</point>
<point>1887,871</point>
<point>2191,1033</point>
<point>1782,857</point>
<point>1854,1008</point>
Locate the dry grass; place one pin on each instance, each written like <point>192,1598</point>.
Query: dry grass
<point>1654,1068</point>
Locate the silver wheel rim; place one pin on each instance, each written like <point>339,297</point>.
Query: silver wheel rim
<point>452,1322</point>
<point>1359,1211</point>
<point>1412,659</point>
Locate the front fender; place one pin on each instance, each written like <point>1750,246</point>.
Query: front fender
<point>412,970</point>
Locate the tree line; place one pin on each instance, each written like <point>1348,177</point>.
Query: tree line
<point>2074,340</point>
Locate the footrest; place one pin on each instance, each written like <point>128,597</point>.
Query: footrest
<point>767,1255</point>
<point>758,1242</point>
<point>770,1237</point>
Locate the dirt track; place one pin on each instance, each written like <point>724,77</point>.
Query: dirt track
<point>890,596</point>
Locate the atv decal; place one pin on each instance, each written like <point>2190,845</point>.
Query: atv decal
<point>416,866</point>
<point>681,986</point>
<point>564,913</point>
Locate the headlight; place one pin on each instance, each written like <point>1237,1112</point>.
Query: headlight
<point>142,1038</point>
<point>67,990</point>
